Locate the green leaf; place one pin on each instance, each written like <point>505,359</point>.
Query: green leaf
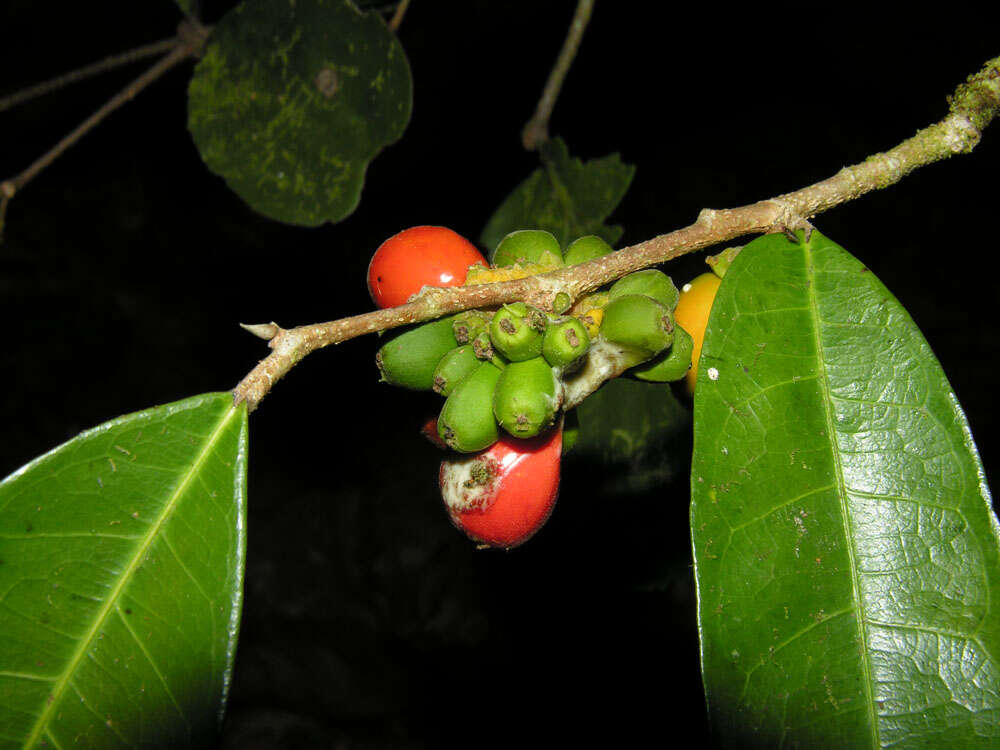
<point>847,557</point>
<point>632,429</point>
<point>121,576</point>
<point>564,196</point>
<point>187,6</point>
<point>293,99</point>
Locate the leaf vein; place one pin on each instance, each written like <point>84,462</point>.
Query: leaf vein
<point>831,427</point>
<point>153,664</point>
<point>141,550</point>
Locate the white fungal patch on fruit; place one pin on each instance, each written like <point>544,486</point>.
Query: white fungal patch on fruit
<point>604,360</point>
<point>469,483</point>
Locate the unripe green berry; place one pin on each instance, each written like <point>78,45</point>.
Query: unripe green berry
<point>469,324</point>
<point>586,248</point>
<point>638,323</point>
<point>453,368</point>
<point>561,303</point>
<point>527,397</point>
<point>672,365</point>
<point>528,246</point>
<point>408,359</point>
<point>466,422</point>
<point>516,331</point>
<point>565,342</point>
<point>482,347</point>
<point>652,283</point>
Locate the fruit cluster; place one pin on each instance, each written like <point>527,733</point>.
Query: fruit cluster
<point>510,370</point>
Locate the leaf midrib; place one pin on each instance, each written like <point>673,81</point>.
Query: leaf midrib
<point>55,697</point>
<point>841,493</point>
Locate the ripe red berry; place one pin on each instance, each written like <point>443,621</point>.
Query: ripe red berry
<point>429,429</point>
<point>418,257</point>
<point>502,496</point>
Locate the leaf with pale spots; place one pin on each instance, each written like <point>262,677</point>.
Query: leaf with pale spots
<point>293,99</point>
<point>121,580</point>
<point>846,552</point>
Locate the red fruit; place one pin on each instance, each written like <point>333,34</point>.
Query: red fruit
<point>419,257</point>
<point>502,496</point>
<point>429,429</point>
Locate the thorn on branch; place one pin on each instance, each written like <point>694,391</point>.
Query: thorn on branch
<point>266,331</point>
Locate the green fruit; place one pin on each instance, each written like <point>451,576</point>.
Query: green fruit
<point>408,359</point>
<point>528,246</point>
<point>650,282</point>
<point>672,365</point>
<point>466,422</point>
<point>482,347</point>
<point>561,303</point>
<point>639,324</point>
<point>565,342</point>
<point>586,248</point>
<point>527,397</point>
<point>453,368</point>
<point>571,431</point>
<point>469,324</point>
<point>516,331</point>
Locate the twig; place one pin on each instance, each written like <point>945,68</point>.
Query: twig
<point>536,132</point>
<point>108,63</point>
<point>973,105</point>
<point>397,17</point>
<point>188,43</point>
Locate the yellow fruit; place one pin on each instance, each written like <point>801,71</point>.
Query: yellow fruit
<point>692,315</point>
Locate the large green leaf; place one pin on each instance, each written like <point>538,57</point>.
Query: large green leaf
<point>293,99</point>
<point>846,552</point>
<point>121,576</point>
<point>564,196</point>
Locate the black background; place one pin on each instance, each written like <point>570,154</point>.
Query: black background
<point>369,622</point>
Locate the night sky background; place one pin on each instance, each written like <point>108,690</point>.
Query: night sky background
<point>369,622</point>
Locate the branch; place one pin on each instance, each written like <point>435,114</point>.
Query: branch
<point>973,105</point>
<point>536,132</point>
<point>80,74</point>
<point>397,17</point>
<point>188,43</point>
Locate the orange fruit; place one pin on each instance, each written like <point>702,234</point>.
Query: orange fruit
<point>692,312</point>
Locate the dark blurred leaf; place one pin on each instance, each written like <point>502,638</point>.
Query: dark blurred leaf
<point>565,196</point>
<point>121,581</point>
<point>631,429</point>
<point>846,552</point>
<point>293,99</point>
<point>187,6</point>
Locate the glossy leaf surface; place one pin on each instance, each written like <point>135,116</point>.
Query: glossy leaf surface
<point>846,552</point>
<point>121,576</point>
<point>293,99</point>
<point>564,196</point>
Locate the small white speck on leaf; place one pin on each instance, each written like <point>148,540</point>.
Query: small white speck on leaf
<point>713,373</point>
